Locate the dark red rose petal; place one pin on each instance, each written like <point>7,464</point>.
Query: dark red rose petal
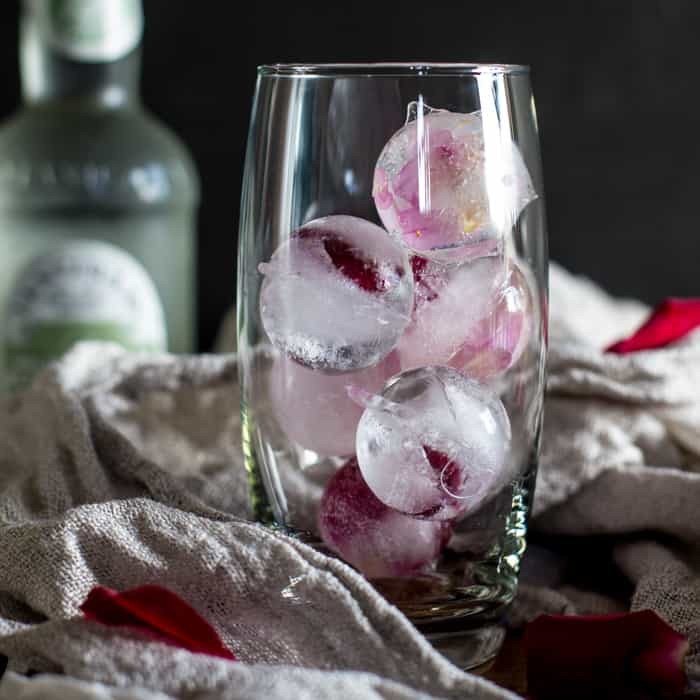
<point>421,279</point>
<point>362,272</point>
<point>418,265</point>
<point>158,612</point>
<point>628,656</point>
<point>347,260</point>
<point>448,468</point>
<point>670,321</point>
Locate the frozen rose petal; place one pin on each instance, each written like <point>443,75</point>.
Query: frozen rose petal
<point>381,189</point>
<point>496,342</point>
<point>449,303</point>
<point>434,444</point>
<point>337,295</point>
<point>315,410</point>
<point>440,188</point>
<point>476,317</point>
<point>377,540</point>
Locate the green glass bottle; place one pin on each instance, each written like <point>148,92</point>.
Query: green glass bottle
<point>97,198</point>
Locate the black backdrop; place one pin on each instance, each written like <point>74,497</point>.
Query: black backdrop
<point>615,84</point>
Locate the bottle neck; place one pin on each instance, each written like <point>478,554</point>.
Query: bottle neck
<point>70,51</point>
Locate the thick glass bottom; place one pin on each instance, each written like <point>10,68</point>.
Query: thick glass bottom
<point>460,602</point>
<point>472,647</point>
<point>459,606</point>
<point>463,622</point>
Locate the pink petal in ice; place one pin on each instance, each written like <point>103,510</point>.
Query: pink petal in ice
<point>314,409</point>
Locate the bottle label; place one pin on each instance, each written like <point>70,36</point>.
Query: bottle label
<point>84,290</point>
<point>90,30</point>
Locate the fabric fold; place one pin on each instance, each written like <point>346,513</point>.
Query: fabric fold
<point>123,470</point>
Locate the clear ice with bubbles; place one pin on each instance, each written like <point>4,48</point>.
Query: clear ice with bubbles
<point>337,295</point>
<point>450,186</point>
<point>434,444</point>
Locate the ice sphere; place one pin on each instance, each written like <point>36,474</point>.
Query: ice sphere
<point>497,341</point>
<point>337,295</point>
<point>434,444</point>
<point>446,190</point>
<point>314,408</point>
<point>377,540</point>
<point>475,316</point>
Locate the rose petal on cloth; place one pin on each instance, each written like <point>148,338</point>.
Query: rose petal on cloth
<point>158,611</point>
<point>669,321</point>
<point>629,655</point>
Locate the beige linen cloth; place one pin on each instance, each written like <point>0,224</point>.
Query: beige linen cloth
<point>119,469</point>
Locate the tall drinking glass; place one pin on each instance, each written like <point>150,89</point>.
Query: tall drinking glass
<point>392,328</point>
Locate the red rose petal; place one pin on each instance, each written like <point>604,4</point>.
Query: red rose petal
<point>662,666</point>
<point>347,259</point>
<point>156,611</point>
<point>670,321</point>
<point>628,656</point>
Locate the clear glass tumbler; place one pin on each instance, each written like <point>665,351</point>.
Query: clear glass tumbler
<point>392,328</point>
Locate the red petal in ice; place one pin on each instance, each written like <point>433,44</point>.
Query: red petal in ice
<point>450,475</point>
<point>347,259</point>
<point>376,539</point>
<point>670,321</point>
<point>158,612</point>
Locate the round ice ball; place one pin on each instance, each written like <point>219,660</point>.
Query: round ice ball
<point>314,409</point>
<point>434,444</point>
<point>497,341</point>
<point>447,191</point>
<point>337,295</point>
<point>476,316</point>
<point>377,540</point>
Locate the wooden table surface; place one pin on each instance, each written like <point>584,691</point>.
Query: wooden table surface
<point>508,669</point>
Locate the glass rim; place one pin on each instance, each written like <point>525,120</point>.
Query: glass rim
<point>406,69</point>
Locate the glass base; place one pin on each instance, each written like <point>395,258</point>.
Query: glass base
<point>460,605</point>
<point>469,648</point>
<point>469,633</point>
<point>480,592</point>
<point>463,623</point>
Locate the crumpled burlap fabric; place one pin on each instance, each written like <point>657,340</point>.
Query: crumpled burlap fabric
<point>120,469</point>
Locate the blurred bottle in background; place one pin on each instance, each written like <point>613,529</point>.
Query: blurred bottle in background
<point>97,198</point>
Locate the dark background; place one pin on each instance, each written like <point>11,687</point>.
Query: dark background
<point>616,86</point>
